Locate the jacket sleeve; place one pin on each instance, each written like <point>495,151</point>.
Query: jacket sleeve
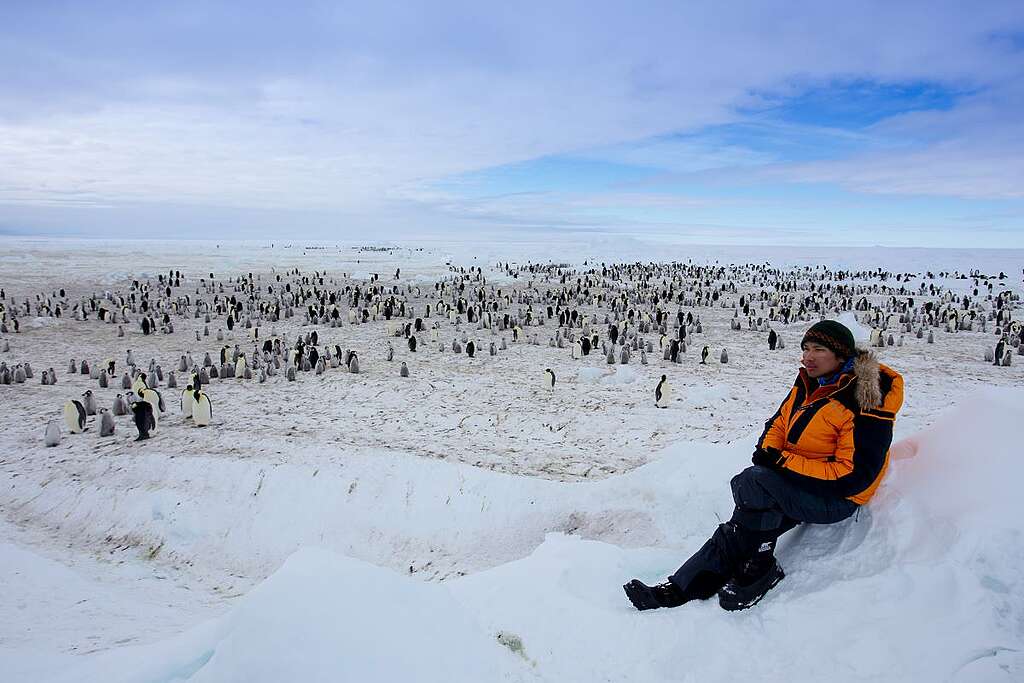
<point>774,434</point>
<point>861,450</point>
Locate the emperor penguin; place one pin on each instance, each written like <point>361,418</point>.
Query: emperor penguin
<point>577,350</point>
<point>470,348</point>
<point>404,370</point>
<point>142,412</point>
<point>152,397</point>
<point>549,379</point>
<point>52,435</point>
<point>89,402</point>
<point>187,401</point>
<point>353,364</point>
<point>705,352</point>
<point>119,407</point>
<point>662,393</point>
<point>240,366</point>
<point>139,383</point>
<point>74,416</point>
<point>106,423</point>
<point>724,357</point>
<point>1000,350</point>
<point>202,409</point>
<point>773,340</point>
<point>412,343</point>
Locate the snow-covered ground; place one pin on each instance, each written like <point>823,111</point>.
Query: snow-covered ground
<point>466,524</point>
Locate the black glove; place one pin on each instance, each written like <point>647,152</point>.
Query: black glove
<point>768,457</point>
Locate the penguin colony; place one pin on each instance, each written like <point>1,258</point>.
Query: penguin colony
<point>620,311</point>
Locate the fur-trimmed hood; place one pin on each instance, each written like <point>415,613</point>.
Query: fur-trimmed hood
<point>867,371</point>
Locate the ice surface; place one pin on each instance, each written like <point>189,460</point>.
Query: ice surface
<point>321,526</point>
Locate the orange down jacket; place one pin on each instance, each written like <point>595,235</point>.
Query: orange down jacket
<point>835,439</point>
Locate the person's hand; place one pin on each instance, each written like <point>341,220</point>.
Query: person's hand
<point>768,457</point>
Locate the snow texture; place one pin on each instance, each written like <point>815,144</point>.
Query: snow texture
<point>465,524</point>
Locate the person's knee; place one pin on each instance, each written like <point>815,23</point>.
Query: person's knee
<point>748,490</point>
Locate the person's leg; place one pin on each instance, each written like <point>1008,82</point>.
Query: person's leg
<point>769,504</point>
<point>765,499</point>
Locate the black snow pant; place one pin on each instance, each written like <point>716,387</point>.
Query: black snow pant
<point>767,506</point>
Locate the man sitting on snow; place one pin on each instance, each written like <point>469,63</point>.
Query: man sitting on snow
<point>821,455</point>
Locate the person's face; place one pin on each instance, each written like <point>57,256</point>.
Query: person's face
<point>819,360</point>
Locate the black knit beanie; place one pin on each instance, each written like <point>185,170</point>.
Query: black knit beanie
<point>834,336</point>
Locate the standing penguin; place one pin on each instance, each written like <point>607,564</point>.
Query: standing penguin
<point>549,379</point>
<point>187,401</point>
<point>1000,350</point>
<point>353,364</point>
<point>773,340</point>
<point>119,407</point>
<point>724,358</point>
<point>577,350</point>
<point>202,409</point>
<point>89,402</point>
<point>404,370</point>
<point>52,435</point>
<point>705,352</point>
<point>74,416</point>
<point>412,343</point>
<point>142,412</point>
<point>662,393</point>
<point>152,397</point>
<point>470,348</point>
<point>106,423</point>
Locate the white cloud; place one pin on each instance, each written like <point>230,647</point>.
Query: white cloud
<point>336,110</point>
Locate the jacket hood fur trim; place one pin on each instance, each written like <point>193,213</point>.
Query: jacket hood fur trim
<point>869,388</point>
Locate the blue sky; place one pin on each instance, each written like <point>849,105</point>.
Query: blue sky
<point>790,122</point>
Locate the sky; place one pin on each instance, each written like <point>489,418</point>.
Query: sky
<point>868,123</point>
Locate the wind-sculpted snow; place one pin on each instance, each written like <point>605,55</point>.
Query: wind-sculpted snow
<point>923,585</point>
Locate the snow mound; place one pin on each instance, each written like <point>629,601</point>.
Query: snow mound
<point>861,333</point>
<point>324,617</point>
<point>923,584</point>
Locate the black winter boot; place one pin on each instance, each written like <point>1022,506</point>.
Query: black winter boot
<point>646,597</point>
<point>756,577</point>
<point>703,586</point>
